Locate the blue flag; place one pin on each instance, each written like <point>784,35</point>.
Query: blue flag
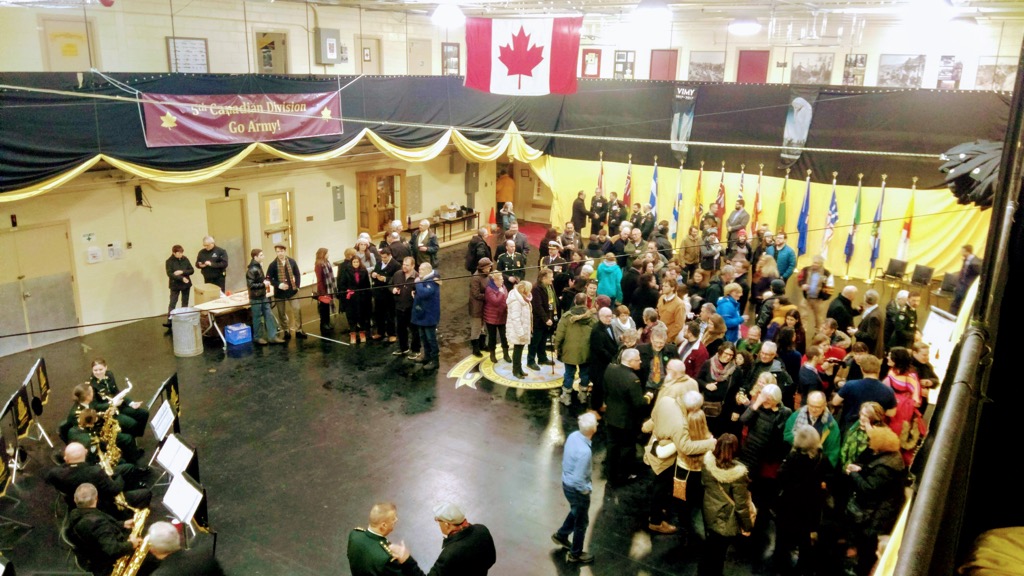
<point>876,241</point>
<point>801,225</point>
<point>654,193</point>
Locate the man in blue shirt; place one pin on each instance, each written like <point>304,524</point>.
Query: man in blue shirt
<point>576,484</point>
<point>868,389</point>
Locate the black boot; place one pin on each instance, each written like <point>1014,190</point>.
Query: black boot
<point>517,362</point>
<point>494,358</point>
<point>476,348</point>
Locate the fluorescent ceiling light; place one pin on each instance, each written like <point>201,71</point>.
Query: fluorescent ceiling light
<point>448,16</point>
<point>744,27</point>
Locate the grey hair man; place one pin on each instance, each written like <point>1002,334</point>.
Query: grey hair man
<point>100,539</point>
<point>577,467</point>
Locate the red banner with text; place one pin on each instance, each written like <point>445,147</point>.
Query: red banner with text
<point>199,120</point>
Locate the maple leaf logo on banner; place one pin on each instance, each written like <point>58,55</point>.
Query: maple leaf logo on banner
<point>520,58</point>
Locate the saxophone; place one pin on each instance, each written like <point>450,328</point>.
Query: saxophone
<point>129,565</point>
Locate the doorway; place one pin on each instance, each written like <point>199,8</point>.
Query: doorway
<point>225,220</point>
<point>753,67</point>
<point>37,287</point>
<point>368,53</point>
<point>381,200</point>
<point>664,64</point>
<point>420,63</point>
<point>275,221</point>
<point>271,53</point>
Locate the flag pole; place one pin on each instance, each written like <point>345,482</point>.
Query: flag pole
<point>860,179</point>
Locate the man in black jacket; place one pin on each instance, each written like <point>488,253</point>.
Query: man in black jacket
<point>424,245</point>
<point>284,276</point>
<point>625,401</point>
<point>654,359</point>
<point>467,549</point>
<point>579,211</point>
<point>179,270</point>
<point>165,547</point>
<point>383,299</point>
<point>75,472</point>
<point>603,348</point>
<point>212,261</point>
<point>477,249</point>
<point>99,539</point>
<point>259,288</point>
<point>403,283</point>
<point>842,310</point>
<point>598,211</point>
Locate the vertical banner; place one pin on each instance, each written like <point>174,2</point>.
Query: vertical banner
<point>44,382</point>
<point>171,392</point>
<point>22,412</point>
<point>798,123</point>
<point>683,105</point>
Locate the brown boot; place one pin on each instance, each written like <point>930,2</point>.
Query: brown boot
<point>362,337</point>
<point>352,338</point>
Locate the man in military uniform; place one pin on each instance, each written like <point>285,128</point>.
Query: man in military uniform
<point>905,323</point>
<point>512,265</point>
<point>598,211</point>
<point>369,551</point>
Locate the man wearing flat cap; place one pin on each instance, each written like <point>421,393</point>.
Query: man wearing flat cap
<point>467,549</point>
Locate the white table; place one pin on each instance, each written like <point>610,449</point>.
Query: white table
<point>221,306</point>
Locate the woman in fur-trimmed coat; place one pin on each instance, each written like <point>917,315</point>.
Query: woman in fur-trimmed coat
<point>728,510</point>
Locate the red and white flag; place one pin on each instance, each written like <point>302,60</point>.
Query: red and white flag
<point>522,56</point>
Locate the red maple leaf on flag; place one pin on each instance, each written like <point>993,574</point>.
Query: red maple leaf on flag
<point>520,58</point>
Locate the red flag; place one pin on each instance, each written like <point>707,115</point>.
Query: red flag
<point>720,201</point>
<point>627,191</point>
<point>600,178</point>
<point>757,205</point>
<point>698,201</point>
<point>522,56</point>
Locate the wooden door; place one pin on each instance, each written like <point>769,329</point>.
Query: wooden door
<point>419,58</point>
<point>225,220</point>
<point>753,67</point>
<point>382,199</point>
<point>275,221</point>
<point>664,64</point>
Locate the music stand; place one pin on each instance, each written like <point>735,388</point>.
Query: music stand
<point>174,456</point>
<point>183,498</point>
<point>161,423</point>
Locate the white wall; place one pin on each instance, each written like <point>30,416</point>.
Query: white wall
<point>136,286</point>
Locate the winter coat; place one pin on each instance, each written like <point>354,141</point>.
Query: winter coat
<point>276,276</point>
<point>519,325</point>
<point>572,338</point>
<point>842,311</point>
<point>543,308</point>
<point>609,281</point>
<point>801,497</point>
<point>177,282</point>
<point>726,498</point>
<point>428,239</point>
<point>765,443</point>
<point>644,297</point>
<point>495,309</point>
<point>354,294</point>
<point>878,490</point>
<point>477,294</point>
<point>668,426</point>
<point>426,302</point>
<point>729,309</point>
<point>830,436</point>
<point>254,280</point>
<point>673,314</point>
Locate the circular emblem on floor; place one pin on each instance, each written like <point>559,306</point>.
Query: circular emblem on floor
<point>501,373</point>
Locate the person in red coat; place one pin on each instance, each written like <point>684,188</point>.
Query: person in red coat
<point>692,351</point>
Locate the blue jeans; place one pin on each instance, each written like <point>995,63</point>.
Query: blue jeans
<point>570,375</point>
<point>428,336</point>
<point>262,317</point>
<point>578,519</point>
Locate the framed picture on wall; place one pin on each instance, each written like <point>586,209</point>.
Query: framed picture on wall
<point>706,67</point>
<point>366,54</point>
<point>450,59</point>
<point>812,68</point>
<point>853,71</point>
<point>951,69</point>
<point>996,73</point>
<point>524,173</point>
<point>901,70</point>
<point>625,63</point>
<point>591,63</point>
<point>187,55</point>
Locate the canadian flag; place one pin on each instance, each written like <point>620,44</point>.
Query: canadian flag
<point>522,56</point>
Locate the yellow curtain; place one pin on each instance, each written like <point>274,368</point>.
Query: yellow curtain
<point>939,228</point>
<point>512,143</point>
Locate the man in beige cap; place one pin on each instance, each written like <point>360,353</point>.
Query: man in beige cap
<point>467,549</point>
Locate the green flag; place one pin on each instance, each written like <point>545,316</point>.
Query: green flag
<point>780,224</point>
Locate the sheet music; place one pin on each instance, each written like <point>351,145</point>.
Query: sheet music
<point>162,421</point>
<point>174,456</point>
<point>183,498</point>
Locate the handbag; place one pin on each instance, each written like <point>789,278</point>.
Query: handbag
<point>713,409</point>
<point>679,484</point>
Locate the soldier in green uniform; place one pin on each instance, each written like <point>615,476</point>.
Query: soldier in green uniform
<point>369,551</point>
<point>512,265</point>
<point>130,412</point>
<point>905,323</point>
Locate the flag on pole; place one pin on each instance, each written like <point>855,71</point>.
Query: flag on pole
<point>830,222</point>
<point>698,201</point>
<point>904,248</point>
<point>757,203</point>
<point>673,224</point>
<point>720,200</point>
<point>876,239</point>
<point>851,238</point>
<point>801,223</point>
<point>653,200</point>
<point>522,56</point>
<point>780,222</point>
<point>740,197</point>
<point>600,176</point>
<point>627,190</point>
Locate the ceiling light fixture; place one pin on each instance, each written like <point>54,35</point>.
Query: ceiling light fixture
<point>744,27</point>
<point>448,15</point>
<point>653,8</point>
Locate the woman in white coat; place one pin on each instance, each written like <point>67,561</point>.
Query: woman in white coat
<point>519,326</point>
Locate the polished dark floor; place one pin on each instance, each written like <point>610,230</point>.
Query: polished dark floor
<point>296,442</point>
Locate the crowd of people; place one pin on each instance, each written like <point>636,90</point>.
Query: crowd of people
<point>809,409</point>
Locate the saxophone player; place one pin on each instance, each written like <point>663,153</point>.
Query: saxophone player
<point>76,471</point>
<point>166,555</point>
<point>132,415</point>
<point>99,539</point>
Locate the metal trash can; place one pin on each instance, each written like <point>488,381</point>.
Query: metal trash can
<point>188,340</point>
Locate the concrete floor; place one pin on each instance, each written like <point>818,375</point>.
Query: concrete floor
<point>296,443</point>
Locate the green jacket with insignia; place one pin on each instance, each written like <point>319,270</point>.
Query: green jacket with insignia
<point>368,554</point>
